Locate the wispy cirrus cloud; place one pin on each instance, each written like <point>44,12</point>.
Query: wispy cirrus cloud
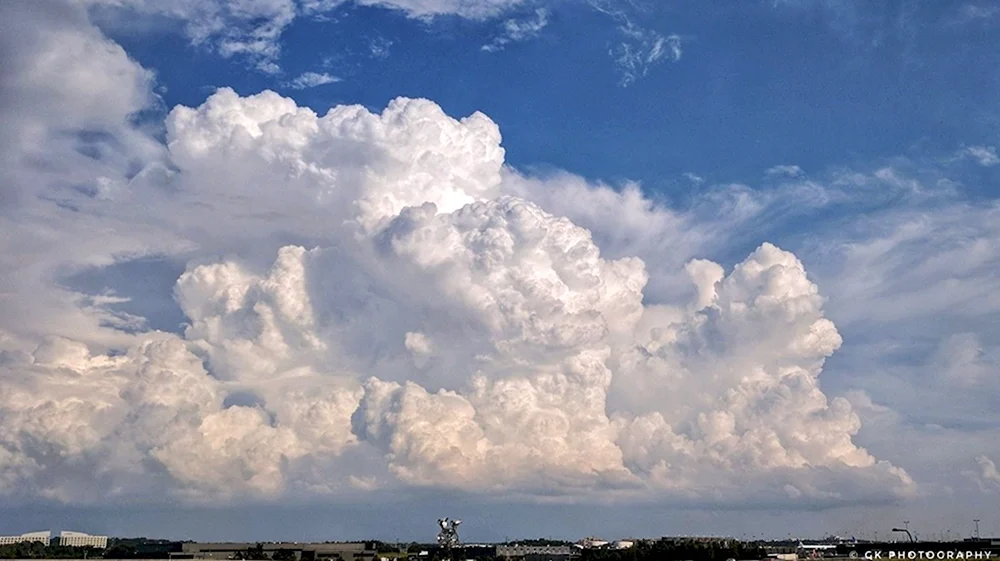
<point>519,30</point>
<point>785,171</point>
<point>253,30</point>
<point>312,80</point>
<point>977,12</point>
<point>640,48</point>
<point>379,47</point>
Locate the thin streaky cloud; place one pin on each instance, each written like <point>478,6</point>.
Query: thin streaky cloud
<point>785,171</point>
<point>640,48</point>
<point>312,80</point>
<point>519,30</point>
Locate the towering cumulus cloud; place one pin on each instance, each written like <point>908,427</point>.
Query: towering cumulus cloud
<point>372,300</point>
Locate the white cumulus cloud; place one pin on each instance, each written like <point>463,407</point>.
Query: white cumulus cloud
<point>988,477</point>
<point>548,372</point>
<point>371,299</point>
<point>985,156</point>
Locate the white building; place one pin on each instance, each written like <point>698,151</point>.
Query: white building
<point>41,537</point>
<point>79,539</point>
<point>591,543</point>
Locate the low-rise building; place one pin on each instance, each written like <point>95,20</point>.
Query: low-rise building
<point>79,539</point>
<point>354,551</point>
<point>591,542</point>
<point>538,552</point>
<point>474,552</point>
<point>41,537</point>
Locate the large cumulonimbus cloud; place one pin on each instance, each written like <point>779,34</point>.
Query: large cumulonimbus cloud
<point>438,324</point>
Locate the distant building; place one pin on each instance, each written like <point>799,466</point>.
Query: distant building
<point>597,543</point>
<point>145,548</point>
<point>475,552</point>
<point>592,543</point>
<point>718,540</point>
<point>538,552</point>
<point>993,542</point>
<point>40,537</point>
<point>79,539</point>
<point>357,551</point>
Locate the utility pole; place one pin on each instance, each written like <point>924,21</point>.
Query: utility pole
<point>977,527</point>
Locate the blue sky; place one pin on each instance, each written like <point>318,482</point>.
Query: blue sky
<point>699,267</point>
<point>757,84</point>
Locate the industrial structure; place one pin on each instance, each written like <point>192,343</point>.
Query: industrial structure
<point>448,536</point>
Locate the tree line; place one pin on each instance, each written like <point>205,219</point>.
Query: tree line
<point>643,550</point>
<point>38,550</point>
<point>684,550</point>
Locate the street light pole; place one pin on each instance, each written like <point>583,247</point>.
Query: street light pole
<point>908,534</point>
